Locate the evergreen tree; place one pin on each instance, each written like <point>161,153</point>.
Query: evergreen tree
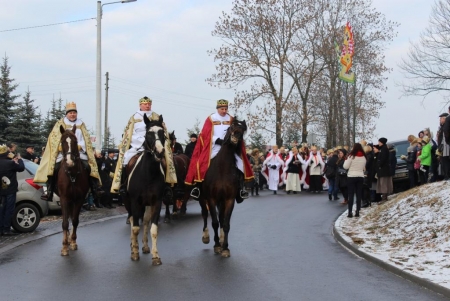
<point>257,141</point>
<point>194,130</point>
<point>25,127</point>
<point>53,115</point>
<point>109,141</point>
<point>7,105</point>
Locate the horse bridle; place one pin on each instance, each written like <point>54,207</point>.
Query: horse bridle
<point>150,149</point>
<point>68,171</point>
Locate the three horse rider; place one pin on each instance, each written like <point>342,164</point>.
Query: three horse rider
<point>52,158</point>
<point>209,143</point>
<point>132,144</point>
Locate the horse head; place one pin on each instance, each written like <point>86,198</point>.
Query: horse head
<point>69,145</point>
<point>235,132</point>
<point>172,138</point>
<point>154,137</point>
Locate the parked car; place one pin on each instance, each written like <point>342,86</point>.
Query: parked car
<point>29,206</point>
<point>400,179</point>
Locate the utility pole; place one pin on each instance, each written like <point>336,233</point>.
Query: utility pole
<point>105,144</point>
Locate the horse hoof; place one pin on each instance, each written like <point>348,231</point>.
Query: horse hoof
<point>205,240</point>
<point>217,250</point>
<point>225,253</point>
<point>74,247</point>
<point>156,261</point>
<point>145,250</point>
<point>64,252</point>
<point>135,257</point>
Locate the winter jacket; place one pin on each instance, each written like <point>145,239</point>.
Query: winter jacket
<point>331,167</point>
<point>355,166</point>
<point>383,166</point>
<point>411,159</point>
<point>8,175</point>
<point>425,157</point>
<point>392,161</point>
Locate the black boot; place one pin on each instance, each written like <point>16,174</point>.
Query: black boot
<point>123,182</point>
<point>168,194</point>
<point>253,191</point>
<point>242,194</point>
<point>257,188</point>
<point>329,196</point>
<point>51,184</point>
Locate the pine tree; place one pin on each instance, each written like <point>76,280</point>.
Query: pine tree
<point>25,127</point>
<point>53,115</point>
<point>256,141</point>
<point>7,105</point>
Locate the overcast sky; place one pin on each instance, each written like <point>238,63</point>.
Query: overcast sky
<point>159,49</point>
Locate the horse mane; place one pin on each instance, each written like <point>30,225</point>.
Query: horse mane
<point>227,141</point>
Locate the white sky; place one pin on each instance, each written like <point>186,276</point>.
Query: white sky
<point>158,49</point>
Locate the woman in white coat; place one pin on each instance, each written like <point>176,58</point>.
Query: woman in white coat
<point>355,164</point>
<point>273,163</point>
<point>293,167</point>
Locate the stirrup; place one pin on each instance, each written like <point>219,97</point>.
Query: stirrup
<point>195,193</point>
<point>243,194</point>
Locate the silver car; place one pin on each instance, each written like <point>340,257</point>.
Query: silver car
<point>29,206</point>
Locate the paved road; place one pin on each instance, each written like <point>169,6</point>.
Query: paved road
<point>281,249</point>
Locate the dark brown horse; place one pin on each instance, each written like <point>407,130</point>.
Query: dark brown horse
<point>146,183</point>
<point>180,193</point>
<point>220,187</point>
<point>73,187</point>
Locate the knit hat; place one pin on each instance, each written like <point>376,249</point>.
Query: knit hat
<point>383,140</point>
<point>193,136</point>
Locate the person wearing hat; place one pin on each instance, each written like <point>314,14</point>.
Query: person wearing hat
<point>425,160</point>
<point>176,147</point>
<point>52,157</point>
<point>29,155</point>
<point>189,150</point>
<point>384,182</point>
<point>256,164</point>
<point>211,136</point>
<point>132,144</point>
<point>443,147</point>
<point>8,177</point>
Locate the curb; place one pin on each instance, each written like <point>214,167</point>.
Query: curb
<point>50,232</point>
<point>388,267</point>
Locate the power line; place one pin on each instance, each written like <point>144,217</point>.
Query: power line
<point>58,79</point>
<point>37,26</point>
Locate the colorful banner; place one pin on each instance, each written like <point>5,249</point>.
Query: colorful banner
<point>345,55</point>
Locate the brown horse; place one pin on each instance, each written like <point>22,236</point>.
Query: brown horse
<point>180,193</point>
<point>220,187</point>
<point>73,187</point>
<point>145,191</point>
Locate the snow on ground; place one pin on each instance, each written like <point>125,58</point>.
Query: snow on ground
<point>411,231</point>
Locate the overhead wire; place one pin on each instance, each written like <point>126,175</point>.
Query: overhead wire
<point>54,24</point>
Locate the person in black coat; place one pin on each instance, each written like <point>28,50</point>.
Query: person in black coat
<point>108,175</point>
<point>29,155</point>
<point>8,189</point>
<point>410,159</point>
<point>190,147</point>
<point>177,149</point>
<point>384,182</point>
<point>330,173</point>
<point>392,159</point>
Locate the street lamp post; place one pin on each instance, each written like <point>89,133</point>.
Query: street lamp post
<point>98,125</point>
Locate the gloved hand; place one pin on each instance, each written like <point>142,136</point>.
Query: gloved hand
<point>273,167</point>
<point>219,141</point>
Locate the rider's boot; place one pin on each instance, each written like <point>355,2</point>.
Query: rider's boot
<point>51,183</point>
<point>168,194</point>
<point>123,181</point>
<point>94,183</point>
<point>242,194</point>
<point>195,192</point>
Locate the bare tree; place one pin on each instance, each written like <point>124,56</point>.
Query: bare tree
<point>428,61</point>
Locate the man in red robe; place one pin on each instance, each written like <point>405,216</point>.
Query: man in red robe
<point>208,145</point>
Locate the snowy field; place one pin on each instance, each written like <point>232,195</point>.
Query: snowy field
<point>411,231</point>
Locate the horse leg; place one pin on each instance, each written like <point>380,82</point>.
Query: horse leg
<point>184,202</point>
<point>156,210</point>
<point>65,227</point>
<point>215,225</point>
<point>205,235</point>
<point>75,221</point>
<point>167,214</point>
<point>226,227</point>
<point>146,222</point>
<point>134,223</point>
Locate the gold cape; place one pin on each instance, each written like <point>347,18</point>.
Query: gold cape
<point>171,176</point>
<point>47,165</point>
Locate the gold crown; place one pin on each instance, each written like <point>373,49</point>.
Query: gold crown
<point>3,149</point>
<point>71,106</point>
<point>145,99</point>
<point>222,103</point>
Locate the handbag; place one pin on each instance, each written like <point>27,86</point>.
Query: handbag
<point>417,164</point>
<point>342,171</point>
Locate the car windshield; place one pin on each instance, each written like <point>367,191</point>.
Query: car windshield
<point>31,167</point>
<point>401,148</point>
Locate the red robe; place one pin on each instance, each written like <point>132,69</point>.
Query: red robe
<point>201,158</point>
